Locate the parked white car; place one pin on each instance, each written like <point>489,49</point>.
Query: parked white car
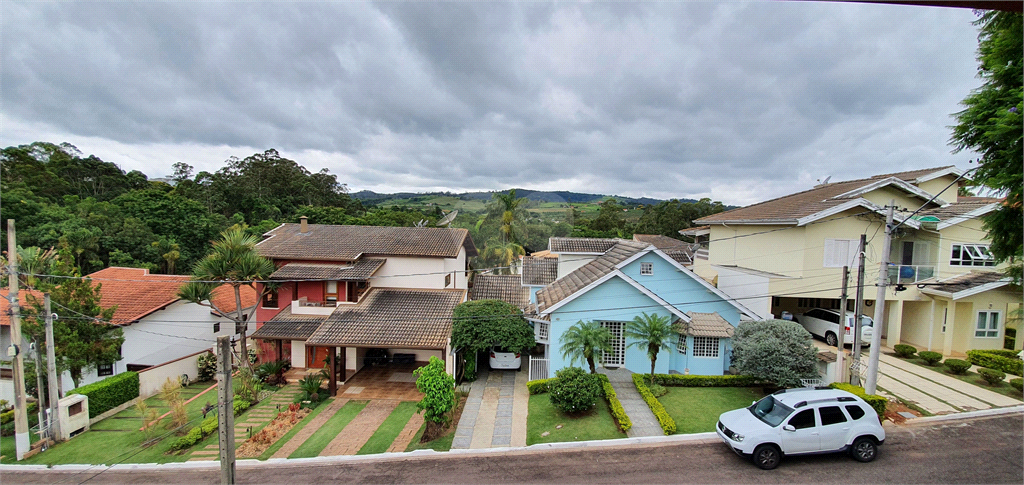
<point>801,422</point>
<point>825,324</point>
<point>503,359</point>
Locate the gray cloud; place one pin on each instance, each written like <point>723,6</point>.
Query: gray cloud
<point>735,101</point>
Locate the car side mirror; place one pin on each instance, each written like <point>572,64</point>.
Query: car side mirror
<point>753,402</point>
<point>789,427</point>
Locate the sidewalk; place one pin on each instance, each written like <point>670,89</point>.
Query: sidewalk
<point>644,422</point>
<point>495,412</point>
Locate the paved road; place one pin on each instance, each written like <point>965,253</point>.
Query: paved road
<point>977,450</point>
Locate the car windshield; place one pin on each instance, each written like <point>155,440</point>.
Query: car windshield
<point>770,411</point>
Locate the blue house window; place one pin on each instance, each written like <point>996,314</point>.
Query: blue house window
<point>646,268</point>
<point>705,346</point>
<point>681,344</point>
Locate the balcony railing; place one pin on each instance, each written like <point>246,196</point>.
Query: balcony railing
<point>910,273</point>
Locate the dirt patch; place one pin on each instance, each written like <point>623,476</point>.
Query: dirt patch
<point>893,409</point>
<point>434,431</point>
<point>266,437</point>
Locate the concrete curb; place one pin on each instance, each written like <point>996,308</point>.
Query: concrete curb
<point>968,414</point>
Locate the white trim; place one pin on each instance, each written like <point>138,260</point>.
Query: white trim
<point>860,202</point>
<point>637,256</point>
<point>898,183</point>
<point>939,173</point>
<point>268,234</point>
<point>999,325</point>
<point>952,221</point>
<point>695,232</point>
<point>968,292</point>
<point>728,299</point>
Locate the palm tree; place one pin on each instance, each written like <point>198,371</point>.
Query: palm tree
<point>502,254</point>
<point>511,214</point>
<point>170,251</point>
<point>584,342</point>
<point>653,332</point>
<point>235,262</point>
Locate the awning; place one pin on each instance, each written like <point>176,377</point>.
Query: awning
<point>286,326</point>
<point>360,270</point>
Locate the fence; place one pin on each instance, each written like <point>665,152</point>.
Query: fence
<point>538,368</point>
<point>152,378</point>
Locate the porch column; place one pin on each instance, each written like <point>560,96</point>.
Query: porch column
<point>332,385</point>
<point>895,323</point>
<point>931,325</point>
<point>280,349</point>
<point>950,323</point>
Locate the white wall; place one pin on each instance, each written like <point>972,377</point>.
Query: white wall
<point>567,263</point>
<point>741,286</point>
<point>299,353</point>
<point>151,379</point>
<point>413,272</point>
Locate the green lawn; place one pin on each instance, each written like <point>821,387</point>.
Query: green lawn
<point>595,425</point>
<point>971,377</point>
<point>696,409</point>
<point>443,443</point>
<point>389,429</point>
<point>292,432</point>
<point>323,436</point>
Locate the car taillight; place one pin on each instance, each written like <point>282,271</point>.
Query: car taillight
<point>517,356</point>
<point>492,355</point>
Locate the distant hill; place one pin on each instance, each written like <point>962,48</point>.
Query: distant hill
<point>534,195</point>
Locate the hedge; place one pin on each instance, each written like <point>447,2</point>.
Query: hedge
<point>618,412</point>
<point>957,366</point>
<point>1017,383</point>
<point>668,425</point>
<point>9,415</point>
<point>195,435</point>
<point>539,386</point>
<point>679,380</point>
<point>930,358</point>
<point>904,350</point>
<point>110,392</point>
<point>1002,360</point>
<point>878,403</point>
<point>7,419</point>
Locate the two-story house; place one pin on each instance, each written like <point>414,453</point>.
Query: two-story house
<point>613,281</point>
<point>344,290</point>
<point>787,255</point>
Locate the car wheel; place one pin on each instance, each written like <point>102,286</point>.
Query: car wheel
<point>864,449</point>
<point>830,338</point>
<point>767,457</point>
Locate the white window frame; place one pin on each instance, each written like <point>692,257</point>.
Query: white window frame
<point>617,357</point>
<point>646,269</point>
<point>681,344</point>
<point>988,328</point>
<point>837,253</point>
<point>977,255</point>
<point>707,347</point>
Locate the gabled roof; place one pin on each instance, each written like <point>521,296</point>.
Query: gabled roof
<point>806,206</point>
<point>360,270</point>
<point>539,271</point>
<point>964,209</point>
<point>681,251</point>
<point>709,325</point>
<point>580,245</point>
<point>507,288</point>
<point>394,318</point>
<point>348,243</point>
<point>588,273</point>
<point>23,301</point>
<point>965,285</point>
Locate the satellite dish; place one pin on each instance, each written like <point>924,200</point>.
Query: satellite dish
<point>421,223</point>
<point>447,219</point>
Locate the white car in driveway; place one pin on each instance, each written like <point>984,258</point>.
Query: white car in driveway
<point>802,422</point>
<point>503,359</point>
<point>825,324</point>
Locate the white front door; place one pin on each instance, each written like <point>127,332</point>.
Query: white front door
<point>617,357</point>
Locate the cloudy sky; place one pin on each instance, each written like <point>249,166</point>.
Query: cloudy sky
<point>737,101</point>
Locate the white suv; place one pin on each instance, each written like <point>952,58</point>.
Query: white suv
<point>825,324</point>
<point>802,421</point>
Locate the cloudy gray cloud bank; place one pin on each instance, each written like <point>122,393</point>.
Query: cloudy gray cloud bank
<point>735,101</point>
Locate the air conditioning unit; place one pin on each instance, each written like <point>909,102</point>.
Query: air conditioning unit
<point>73,413</point>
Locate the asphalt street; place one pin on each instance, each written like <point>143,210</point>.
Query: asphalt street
<point>975,450</point>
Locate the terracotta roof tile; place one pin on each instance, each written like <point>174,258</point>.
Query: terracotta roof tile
<point>708,325</point>
<point>224,298</point>
<point>507,288</point>
<point>395,318</point>
<point>287,326</point>
<point>23,301</point>
<point>962,206</point>
<point>348,243</point>
<point>539,271</point>
<point>360,270</point>
<point>588,273</point>
<point>587,245</point>
<point>135,292</point>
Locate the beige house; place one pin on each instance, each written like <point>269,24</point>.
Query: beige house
<point>787,255</point>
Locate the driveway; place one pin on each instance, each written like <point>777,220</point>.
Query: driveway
<point>495,411</point>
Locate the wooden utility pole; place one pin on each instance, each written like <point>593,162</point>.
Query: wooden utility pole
<point>51,372</point>
<point>840,353</point>
<point>16,351</point>
<point>225,411</point>
<point>857,310</point>
<point>883,276</point>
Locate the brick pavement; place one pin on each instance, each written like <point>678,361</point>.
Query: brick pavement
<point>408,433</point>
<point>361,428</point>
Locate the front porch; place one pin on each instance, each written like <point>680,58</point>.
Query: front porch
<point>388,381</point>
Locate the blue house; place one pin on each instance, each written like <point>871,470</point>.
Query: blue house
<point>612,281</point>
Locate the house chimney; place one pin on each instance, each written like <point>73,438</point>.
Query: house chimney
<point>303,225</point>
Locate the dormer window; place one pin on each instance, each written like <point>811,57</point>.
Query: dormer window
<point>647,269</point>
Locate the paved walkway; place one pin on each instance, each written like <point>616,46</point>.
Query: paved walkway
<point>495,412</point>
<point>253,419</point>
<point>644,422</point>
<point>934,391</point>
<point>361,428</point>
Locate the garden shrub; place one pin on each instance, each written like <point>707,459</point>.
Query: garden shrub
<point>1003,360</point>
<point>195,435</point>
<point>574,390</point>
<point>438,390</point>
<point>679,380</point>
<point>207,367</point>
<point>618,412</point>
<point>240,405</point>
<point>668,425</point>
<point>992,376</point>
<point>110,392</point>
<point>310,386</point>
<point>7,419</point>
<point>957,366</point>
<point>775,351</point>
<point>878,403</point>
<point>1017,383</point>
<point>904,350</point>
<point>657,389</point>
<point>540,386</point>
<point>930,358</point>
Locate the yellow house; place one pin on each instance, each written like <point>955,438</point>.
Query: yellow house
<point>945,293</point>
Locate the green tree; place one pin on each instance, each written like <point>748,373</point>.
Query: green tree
<point>233,261</point>
<point>481,324</point>
<point>510,213</point>
<point>585,341</point>
<point>169,251</point>
<point>438,390</point>
<point>777,351</point>
<point>501,254</point>
<point>991,124</point>
<point>652,333</point>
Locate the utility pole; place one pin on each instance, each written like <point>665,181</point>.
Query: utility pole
<point>21,438</point>
<point>40,390</point>
<point>857,310</point>
<point>883,275</point>
<point>840,353</point>
<point>51,372</point>
<point>226,411</point>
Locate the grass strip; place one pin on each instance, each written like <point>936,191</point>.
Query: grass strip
<point>696,409</point>
<point>323,436</point>
<point>389,429</point>
<point>443,443</point>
